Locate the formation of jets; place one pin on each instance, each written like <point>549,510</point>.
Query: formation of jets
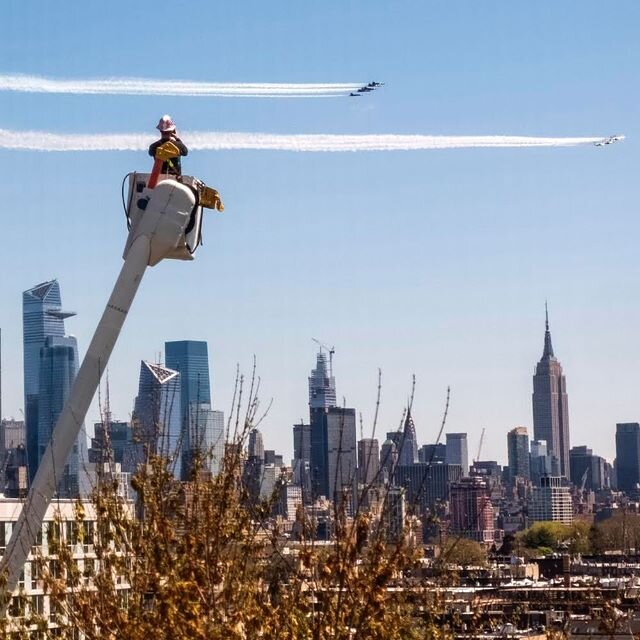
<point>372,86</point>
<point>609,140</point>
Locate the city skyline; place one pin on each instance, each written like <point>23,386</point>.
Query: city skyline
<point>321,379</point>
<point>443,277</point>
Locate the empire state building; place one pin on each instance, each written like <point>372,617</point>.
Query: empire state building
<point>551,407</point>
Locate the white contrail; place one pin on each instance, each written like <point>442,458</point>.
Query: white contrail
<point>149,87</point>
<point>222,141</point>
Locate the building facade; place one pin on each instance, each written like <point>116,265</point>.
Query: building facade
<point>190,358</point>
<point>334,463</point>
<point>588,471</point>
<point>471,510</point>
<point>368,461</point>
<point>457,451</point>
<point>518,453</point>
<point>58,370</point>
<point>432,453</point>
<point>206,439</point>
<point>42,317</point>
<point>408,445</point>
<point>157,415</point>
<point>426,484</point>
<point>551,407</point>
<point>551,500</point>
<point>322,385</point>
<point>628,456</point>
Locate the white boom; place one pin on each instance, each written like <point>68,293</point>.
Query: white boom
<point>157,232</point>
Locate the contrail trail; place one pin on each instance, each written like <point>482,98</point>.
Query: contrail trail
<point>149,87</point>
<point>224,141</point>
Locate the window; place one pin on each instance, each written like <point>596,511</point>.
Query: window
<point>37,605</point>
<point>37,545</point>
<point>36,574</point>
<point>17,607</point>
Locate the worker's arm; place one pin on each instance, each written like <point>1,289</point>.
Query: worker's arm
<point>183,149</point>
<point>154,147</point>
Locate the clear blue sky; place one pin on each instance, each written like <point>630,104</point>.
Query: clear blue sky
<point>436,263</point>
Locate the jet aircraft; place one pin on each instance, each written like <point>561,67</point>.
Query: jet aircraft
<point>609,140</point>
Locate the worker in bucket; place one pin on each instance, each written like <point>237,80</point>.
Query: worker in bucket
<point>169,148</point>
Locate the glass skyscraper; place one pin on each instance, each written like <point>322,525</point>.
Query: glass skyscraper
<point>41,317</point>
<point>50,367</point>
<point>157,415</point>
<point>190,358</point>
<point>518,453</point>
<point>58,370</point>
<point>206,436</point>
<point>334,462</point>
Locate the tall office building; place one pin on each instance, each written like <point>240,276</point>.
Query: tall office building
<point>157,415</point>
<point>426,484</point>
<point>518,453</point>
<point>433,453</point>
<point>408,447</point>
<point>302,459</point>
<point>190,358</point>
<point>42,317</point>
<point>388,459</point>
<point>550,501</point>
<point>334,462</point>
<point>588,471</point>
<point>368,461</point>
<point>58,369</point>
<point>322,385</point>
<point>255,445</point>
<point>471,509</point>
<point>551,406</point>
<point>113,442</point>
<point>302,441</point>
<point>205,437</point>
<point>457,451</point>
<point>539,461</point>
<point>628,455</point>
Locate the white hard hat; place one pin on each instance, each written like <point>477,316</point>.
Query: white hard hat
<point>166,124</point>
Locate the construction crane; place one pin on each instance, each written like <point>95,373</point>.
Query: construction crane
<point>164,221</point>
<point>331,351</point>
<point>477,458</point>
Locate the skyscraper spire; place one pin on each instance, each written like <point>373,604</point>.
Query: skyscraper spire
<point>551,406</point>
<point>548,347</point>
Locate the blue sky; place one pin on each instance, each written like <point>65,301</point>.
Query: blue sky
<point>436,263</point>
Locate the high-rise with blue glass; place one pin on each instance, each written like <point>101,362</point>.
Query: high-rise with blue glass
<point>46,350</point>
<point>191,359</point>
<point>157,415</point>
<point>58,369</point>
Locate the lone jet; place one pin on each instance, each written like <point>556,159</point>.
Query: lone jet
<point>609,140</point>
<point>354,95</point>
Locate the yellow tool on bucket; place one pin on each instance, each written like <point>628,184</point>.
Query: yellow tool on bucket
<point>167,151</point>
<point>210,198</point>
